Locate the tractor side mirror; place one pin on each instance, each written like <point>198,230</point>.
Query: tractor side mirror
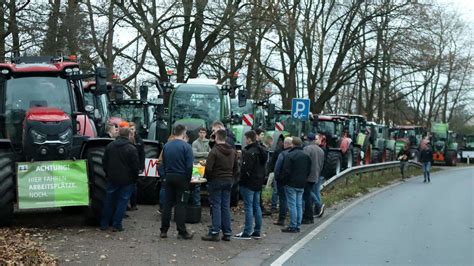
<point>101,80</point>
<point>143,93</point>
<point>271,110</point>
<point>242,98</point>
<point>118,90</point>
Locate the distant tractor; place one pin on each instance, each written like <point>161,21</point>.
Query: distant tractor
<point>356,126</point>
<point>383,148</point>
<point>468,150</point>
<point>258,110</point>
<point>408,135</point>
<point>43,117</point>
<point>445,147</point>
<point>339,146</point>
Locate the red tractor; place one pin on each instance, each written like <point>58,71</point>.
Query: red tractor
<point>337,143</point>
<point>43,117</point>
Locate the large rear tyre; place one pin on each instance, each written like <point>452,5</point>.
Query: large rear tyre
<point>234,195</point>
<point>97,184</point>
<point>148,188</point>
<point>333,164</point>
<point>375,156</point>
<point>451,158</point>
<point>7,189</point>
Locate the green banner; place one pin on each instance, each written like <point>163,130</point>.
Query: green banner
<point>52,184</point>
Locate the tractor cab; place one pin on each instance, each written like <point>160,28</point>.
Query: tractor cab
<point>200,102</point>
<point>42,107</point>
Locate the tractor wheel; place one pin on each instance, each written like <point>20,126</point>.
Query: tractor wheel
<point>375,156</point>
<point>7,190</point>
<point>333,164</point>
<point>367,155</point>
<point>356,156</point>
<point>97,184</point>
<point>383,158</point>
<point>451,158</point>
<point>348,158</point>
<point>148,188</point>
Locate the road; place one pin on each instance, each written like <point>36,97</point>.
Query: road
<point>410,224</point>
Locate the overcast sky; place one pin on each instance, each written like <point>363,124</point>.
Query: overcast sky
<point>466,7</point>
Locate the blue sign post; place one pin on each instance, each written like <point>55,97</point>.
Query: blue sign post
<point>300,109</point>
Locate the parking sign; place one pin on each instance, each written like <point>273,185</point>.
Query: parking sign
<point>300,109</point>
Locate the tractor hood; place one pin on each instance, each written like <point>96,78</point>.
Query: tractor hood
<point>46,114</point>
<point>439,146</point>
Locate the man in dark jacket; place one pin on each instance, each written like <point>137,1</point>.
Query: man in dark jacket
<point>287,145</point>
<point>217,125</point>
<point>426,158</point>
<point>221,168</point>
<point>252,174</point>
<point>139,144</point>
<point>178,167</point>
<point>296,169</point>
<point>121,167</point>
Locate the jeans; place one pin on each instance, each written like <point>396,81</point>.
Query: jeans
<point>252,210</point>
<point>426,170</point>
<point>403,168</point>
<point>176,195</point>
<point>308,201</point>
<point>282,202</point>
<point>162,195</point>
<point>294,197</point>
<point>197,195</point>
<point>316,194</point>
<point>219,197</point>
<point>117,197</point>
<point>274,194</point>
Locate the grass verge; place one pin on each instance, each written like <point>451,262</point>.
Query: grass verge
<point>357,185</point>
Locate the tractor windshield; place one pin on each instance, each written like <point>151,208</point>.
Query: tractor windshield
<point>290,125</point>
<point>403,133</point>
<point>326,127</point>
<point>129,112</point>
<point>236,109</point>
<point>196,102</point>
<point>21,94</point>
<point>469,139</point>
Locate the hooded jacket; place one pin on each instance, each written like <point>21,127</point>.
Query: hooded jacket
<point>252,171</point>
<point>296,168</point>
<point>120,161</point>
<point>222,163</point>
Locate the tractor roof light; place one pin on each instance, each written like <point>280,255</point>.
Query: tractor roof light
<point>73,58</point>
<point>169,72</point>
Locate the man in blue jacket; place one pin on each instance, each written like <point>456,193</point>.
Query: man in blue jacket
<point>296,169</point>
<point>178,167</point>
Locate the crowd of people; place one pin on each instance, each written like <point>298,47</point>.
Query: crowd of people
<point>293,168</point>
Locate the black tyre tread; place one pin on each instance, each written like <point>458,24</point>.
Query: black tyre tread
<point>97,184</point>
<point>345,158</point>
<point>7,190</point>
<point>375,156</point>
<point>356,156</point>
<point>449,155</point>
<point>333,158</point>
<point>148,188</point>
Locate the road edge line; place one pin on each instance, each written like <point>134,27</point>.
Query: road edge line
<point>298,245</point>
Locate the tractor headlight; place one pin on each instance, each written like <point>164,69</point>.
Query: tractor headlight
<point>65,136</point>
<point>38,137</point>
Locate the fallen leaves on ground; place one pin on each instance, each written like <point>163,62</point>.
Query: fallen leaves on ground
<point>18,248</point>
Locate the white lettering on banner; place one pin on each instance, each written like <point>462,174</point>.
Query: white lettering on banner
<point>42,168</point>
<point>151,168</point>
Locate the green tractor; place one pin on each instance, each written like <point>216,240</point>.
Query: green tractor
<point>382,148</point>
<point>468,150</point>
<point>445,148</point>
<point>408,135</point>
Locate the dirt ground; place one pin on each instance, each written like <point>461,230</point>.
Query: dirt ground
<point>65,236</point>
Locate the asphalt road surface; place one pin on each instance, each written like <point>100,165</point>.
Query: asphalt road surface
<point>410,224</point>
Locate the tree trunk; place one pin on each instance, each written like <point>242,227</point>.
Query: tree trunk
<point>50,43</point>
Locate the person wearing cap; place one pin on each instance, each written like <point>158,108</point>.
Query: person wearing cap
<point>317,161</point>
